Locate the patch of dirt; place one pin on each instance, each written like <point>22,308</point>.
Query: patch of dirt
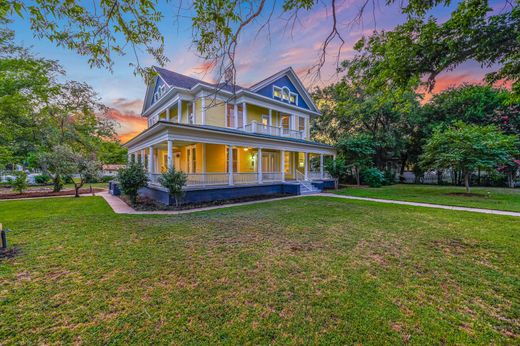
<point>466,194</point>
<point>10,252</point>
<point>453,246</point>
<point>46,193</point>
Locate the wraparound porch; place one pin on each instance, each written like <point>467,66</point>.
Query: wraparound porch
<point>210,164</point>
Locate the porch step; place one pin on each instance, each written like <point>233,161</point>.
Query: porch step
<point>308,189</point>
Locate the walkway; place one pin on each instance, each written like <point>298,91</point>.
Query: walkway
<point>121,207</point>
<point>427,205</point>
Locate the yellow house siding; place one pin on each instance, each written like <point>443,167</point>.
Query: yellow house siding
<point>215,115</point>
<point>215,158</point>
<point>198,111</point>
<point>245,161</point>
<point>255,113</point>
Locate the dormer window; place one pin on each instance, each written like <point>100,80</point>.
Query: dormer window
<point>293,98</point>
<point>285,93</point>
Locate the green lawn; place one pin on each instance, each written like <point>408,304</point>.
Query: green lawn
<point>484,197</point>
<point>299,271</point>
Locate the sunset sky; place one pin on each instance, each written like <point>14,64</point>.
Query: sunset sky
<point>257,56</point>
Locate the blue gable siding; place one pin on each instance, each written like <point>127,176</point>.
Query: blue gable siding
<point>281,82</point>
<point>158,83</point>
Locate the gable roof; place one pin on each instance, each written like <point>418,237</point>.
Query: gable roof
<point>293,77</point>
<point>174,79</point>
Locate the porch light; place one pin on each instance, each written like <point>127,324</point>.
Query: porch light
<point>246,149</point>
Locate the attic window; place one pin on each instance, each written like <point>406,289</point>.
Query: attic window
<point>285,93</point>
<point>293,98</point>
<point>277,92</point>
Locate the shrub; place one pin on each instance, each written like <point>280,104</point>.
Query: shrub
<point>20,182</point>
<point>131,179</point>
<point>106,178</point>
<point>174,181</point>
<point>373,177</point>
<point>389,176</point>
<point>42,179</point>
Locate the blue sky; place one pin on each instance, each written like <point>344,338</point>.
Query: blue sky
<point>258,54</point>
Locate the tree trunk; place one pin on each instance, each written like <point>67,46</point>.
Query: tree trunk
<point>404,158</point>
<point>56,183</point>
<point>358,181</point>
<point>439,177</point>
<point>466,181</point>
<point>511,179</point>
<point>78,186</point>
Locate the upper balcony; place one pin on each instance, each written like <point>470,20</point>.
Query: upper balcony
<point>255,127</point>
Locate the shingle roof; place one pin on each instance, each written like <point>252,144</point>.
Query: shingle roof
<point>179,80</point>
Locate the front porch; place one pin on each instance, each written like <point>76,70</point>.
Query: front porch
<point>211,164</point>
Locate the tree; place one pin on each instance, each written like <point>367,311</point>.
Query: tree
<point>86,168</point>
<point>131,179</point>
<point>337,168</point>
<point>415,53</point>
<point>112,152</point>
<point>58,163</point>
<point>20,182</point>
<point>358,151</point>
<point>174,181</point>
<point>468,148</point>
<point>38,112</point>
<point>418,50</point>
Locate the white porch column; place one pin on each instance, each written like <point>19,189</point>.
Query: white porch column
<point>179,111</point>
<point>321,166</point>
<point>143,153</point>
<point>282,164</point>
<point>168,114</point>
<point>235,110</point>
<point>129,157</point>
<point>150,160</point>
<point>203,110</point>
<point>193,111</point>
<point>270,117</point>
<point>170,154</point>
<point>244,114</point>
<point>259,166</point>
<point>306,166</point>
<point>230,165</point>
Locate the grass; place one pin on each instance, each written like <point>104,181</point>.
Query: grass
<point>481,197</point>
<point>307,270</point>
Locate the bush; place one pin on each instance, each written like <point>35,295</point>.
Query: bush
<point>68,179</point>
<point>20,182</point>
<point>389,177</point>
<point>131,179</point>
<point>174,181</point>
<point>373,177</point>
<point>42,179</point>
<point>106,178</point>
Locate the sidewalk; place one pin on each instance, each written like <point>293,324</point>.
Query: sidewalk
<point>427,205</point>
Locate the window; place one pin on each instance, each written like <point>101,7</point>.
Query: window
<point>265,119</point>
<point>230,115</point>
<point>293,98</point>
<point>277,92</point>
<point>240,116</point>
<point>301,124</point>
<point>285,93</point>
<point>286,121</point>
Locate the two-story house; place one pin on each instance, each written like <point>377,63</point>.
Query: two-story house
<point>230,141</point>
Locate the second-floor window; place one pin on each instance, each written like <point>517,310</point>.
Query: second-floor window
<point>286,120</point>
<point>301,124</point>
<point>230,115</point>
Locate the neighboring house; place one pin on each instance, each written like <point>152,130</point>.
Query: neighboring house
<point>232,137</point>
<point>111,169</point>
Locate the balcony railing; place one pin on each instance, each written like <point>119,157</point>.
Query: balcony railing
<point>255,127</point>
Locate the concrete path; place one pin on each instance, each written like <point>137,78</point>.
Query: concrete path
<point>427,205</point>
<point>121,207</point>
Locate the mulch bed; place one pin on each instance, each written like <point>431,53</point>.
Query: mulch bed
<point>9,252</point>
<point>29,194</point>
<point>148,204</point>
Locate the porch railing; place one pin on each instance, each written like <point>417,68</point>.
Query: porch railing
<point>271,176</point>
<point>203,179</point>
<point>255,127</point>
<point>245,178</point>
